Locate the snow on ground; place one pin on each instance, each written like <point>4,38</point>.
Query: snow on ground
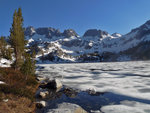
<point>126,78</point>
<point>1,82</point>
<point>127,107</point>
<point>130,79</point>
<point>5,62</point>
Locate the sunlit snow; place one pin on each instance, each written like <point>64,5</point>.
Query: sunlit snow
<point>1,82</point>
<point>127,107</point>
<point>5,62</point>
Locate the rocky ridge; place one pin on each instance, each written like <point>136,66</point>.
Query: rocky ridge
<point>53,46</point>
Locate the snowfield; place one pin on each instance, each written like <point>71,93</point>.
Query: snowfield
<point>127,107</point>
<point>130,79</point>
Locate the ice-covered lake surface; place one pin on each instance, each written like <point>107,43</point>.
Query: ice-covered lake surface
<point>127,84</point>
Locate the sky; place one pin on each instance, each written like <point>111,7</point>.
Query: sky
<point>109,15</point>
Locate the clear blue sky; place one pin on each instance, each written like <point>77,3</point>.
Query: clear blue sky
<point>110,15</point>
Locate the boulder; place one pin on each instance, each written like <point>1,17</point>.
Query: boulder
<point>54,84</point>
<point>41,104</point>
<point>67,108</point>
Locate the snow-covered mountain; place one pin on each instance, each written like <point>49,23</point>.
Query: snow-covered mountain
<point>95,45</point>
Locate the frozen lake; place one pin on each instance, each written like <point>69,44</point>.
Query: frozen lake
<point>123,79</point>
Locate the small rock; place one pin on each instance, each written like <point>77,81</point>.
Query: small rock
<point>42,93</point>
<point>39,78</point>
<point>91,91</point>
<point>70,92</point>
<point>41,104</point>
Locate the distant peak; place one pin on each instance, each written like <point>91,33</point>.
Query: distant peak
<point>116,35</point>
<point>29,31</point>
<point>69,32</point>
<point>95,32</point>
<point>145,26</point>
<point>48,31</point>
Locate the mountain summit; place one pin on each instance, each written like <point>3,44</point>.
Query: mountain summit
<point>95,32</point>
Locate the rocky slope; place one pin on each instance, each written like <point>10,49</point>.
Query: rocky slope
<point>51,45</point>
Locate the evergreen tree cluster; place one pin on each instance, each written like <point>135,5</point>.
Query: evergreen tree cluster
<point>24,61</point>
<point>28,67</point>
<point>5,50</point>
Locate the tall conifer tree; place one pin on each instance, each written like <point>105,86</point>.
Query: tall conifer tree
<point>17,38</point>
<point>2,46</point>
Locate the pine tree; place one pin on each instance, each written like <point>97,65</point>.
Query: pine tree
<point>28,68</point>
<point>33,55</point>
<point>2,46</point>
<point>5,50</point>
<point>17,38</point>
<point>8,53</point>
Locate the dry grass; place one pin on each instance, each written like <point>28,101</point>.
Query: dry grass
<point>17,105</point>
<point>18,90</point>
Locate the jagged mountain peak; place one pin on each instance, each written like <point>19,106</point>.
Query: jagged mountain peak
<point>29,31</point>
<point>94,33</point>
<point>48,31</point>
<point>69,32</point>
